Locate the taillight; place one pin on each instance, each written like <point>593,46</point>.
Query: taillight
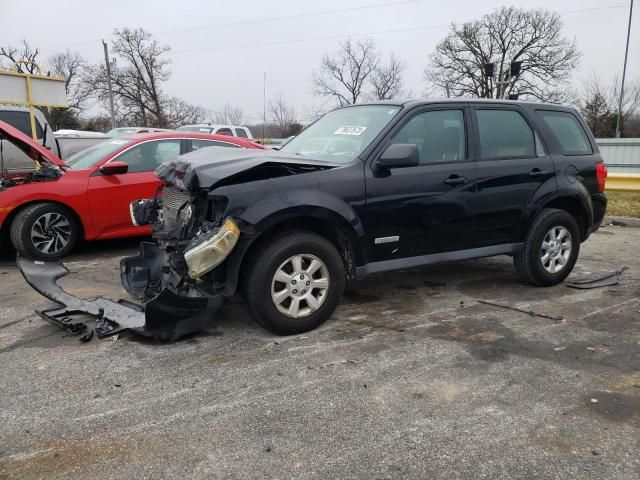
<point>601,175</point>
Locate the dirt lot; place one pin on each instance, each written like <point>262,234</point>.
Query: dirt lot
<point>412,378</point>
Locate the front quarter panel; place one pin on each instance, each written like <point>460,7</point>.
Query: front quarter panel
<point>69,190</point>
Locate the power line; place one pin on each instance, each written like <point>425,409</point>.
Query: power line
<point>262,20</point>
<point>313,14</point>
<point>289,17</point>
<point>310,39</point>
<point>335,37</point>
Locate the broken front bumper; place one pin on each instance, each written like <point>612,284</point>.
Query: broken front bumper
<point>166,316</point>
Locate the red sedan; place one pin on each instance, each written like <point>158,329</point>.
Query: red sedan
<point>46,211</point>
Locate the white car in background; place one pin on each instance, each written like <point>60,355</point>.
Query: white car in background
<point>231,130</point>
<point>117,132</point>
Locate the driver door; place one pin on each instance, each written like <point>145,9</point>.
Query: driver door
<point>110,195</point>
<point>425,209</point>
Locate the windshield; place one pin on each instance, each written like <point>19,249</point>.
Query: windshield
<point>342,135</point>
<point>204,129</point>
<point>92,155</point>
<point>116,132</point>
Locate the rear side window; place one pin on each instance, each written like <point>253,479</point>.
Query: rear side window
<point>225,131</point>
<point>568,131</point>
<point>241,133</point>
<point>198,144</point>
<point>505,134</point>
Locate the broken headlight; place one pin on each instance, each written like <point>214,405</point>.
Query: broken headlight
<point>143,212</point>
<point>209,250</point>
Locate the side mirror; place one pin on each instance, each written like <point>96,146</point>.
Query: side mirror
<point>114,168</point>
<point>399,155</point>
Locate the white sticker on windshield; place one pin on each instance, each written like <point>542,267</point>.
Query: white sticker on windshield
<point>350,131</point>
<point>118,142</point>
<point>206,130</point>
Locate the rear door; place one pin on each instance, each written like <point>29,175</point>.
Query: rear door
<point>110,195</point>
<point>513,170</point>
<point>425,209</point>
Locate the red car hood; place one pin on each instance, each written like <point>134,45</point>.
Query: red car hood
<point>27,145</point>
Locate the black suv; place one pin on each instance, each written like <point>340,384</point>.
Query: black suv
<point>367,188</point>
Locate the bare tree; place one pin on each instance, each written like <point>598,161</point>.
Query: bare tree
<point>509,34</point>
<point>283,116</point>
<point>599,105</point>
<point>138,70</point>
<point>230,115</point>
<point>386,79</point>
<point>344,75</point>
<point>24,53</point>
<point>68,65</point>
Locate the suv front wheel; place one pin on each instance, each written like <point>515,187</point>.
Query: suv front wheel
<point>294,283</point>
<point>551,248</point>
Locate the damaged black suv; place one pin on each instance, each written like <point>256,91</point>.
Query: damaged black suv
<point>365,189</point>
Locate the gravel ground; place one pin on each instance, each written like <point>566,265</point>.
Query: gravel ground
<point>413,377</point>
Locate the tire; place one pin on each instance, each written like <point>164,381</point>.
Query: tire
<point>261,288</point>
<point>54,225</point>
<point>549,235</point>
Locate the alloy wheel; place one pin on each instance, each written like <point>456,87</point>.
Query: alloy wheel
<point>300,285</point>
<point>556,249</point>
<point>51,233</point>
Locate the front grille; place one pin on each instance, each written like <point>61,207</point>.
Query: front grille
<point>172,200</point>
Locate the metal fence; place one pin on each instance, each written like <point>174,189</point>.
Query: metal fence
<point>622,156</point>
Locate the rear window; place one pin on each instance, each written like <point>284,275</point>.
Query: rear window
<point>224,131</point>
<point>21,121</point>
<point>241,133</point>
<point>568,131</point>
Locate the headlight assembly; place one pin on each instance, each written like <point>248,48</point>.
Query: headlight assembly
<point>210,250</point>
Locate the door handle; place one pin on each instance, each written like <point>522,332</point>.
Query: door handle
<point>455,180</point>
<point>536,172</point>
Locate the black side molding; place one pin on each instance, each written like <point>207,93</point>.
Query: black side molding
<point>422,260</point>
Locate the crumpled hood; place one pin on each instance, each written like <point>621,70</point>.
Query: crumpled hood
<point>209,166</point>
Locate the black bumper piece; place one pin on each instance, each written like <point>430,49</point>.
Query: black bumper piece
<point>167,316</point>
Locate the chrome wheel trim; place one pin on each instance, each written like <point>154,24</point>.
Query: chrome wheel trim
<point>51,233</point>
<point>556,249</point>
<point>300,285</point>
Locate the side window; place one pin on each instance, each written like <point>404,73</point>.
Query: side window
<point>225,131</point>
<point>240,132</point>
<point>198,144</point>
<point>438,134</point>
<point>568,131</point>
<point>147,156</point>
<point>505,134</point>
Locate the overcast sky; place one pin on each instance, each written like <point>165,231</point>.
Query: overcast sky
<point>225,62</point>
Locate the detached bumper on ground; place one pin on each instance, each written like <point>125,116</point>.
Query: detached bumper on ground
<point>166,316</point>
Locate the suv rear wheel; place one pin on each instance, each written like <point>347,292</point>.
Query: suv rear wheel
<point>44,231</point>
<point>551,248</point>
<point>294,283</point>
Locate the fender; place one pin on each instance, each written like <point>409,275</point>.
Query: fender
<point>18,202</point>
<point>276,209</point>
<point>576,193</point>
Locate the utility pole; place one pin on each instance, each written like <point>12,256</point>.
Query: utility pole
<point>264,104</point>
<point>624,71</point>
<point>106,59</point>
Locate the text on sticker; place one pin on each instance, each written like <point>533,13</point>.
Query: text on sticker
<point>350,131</point>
